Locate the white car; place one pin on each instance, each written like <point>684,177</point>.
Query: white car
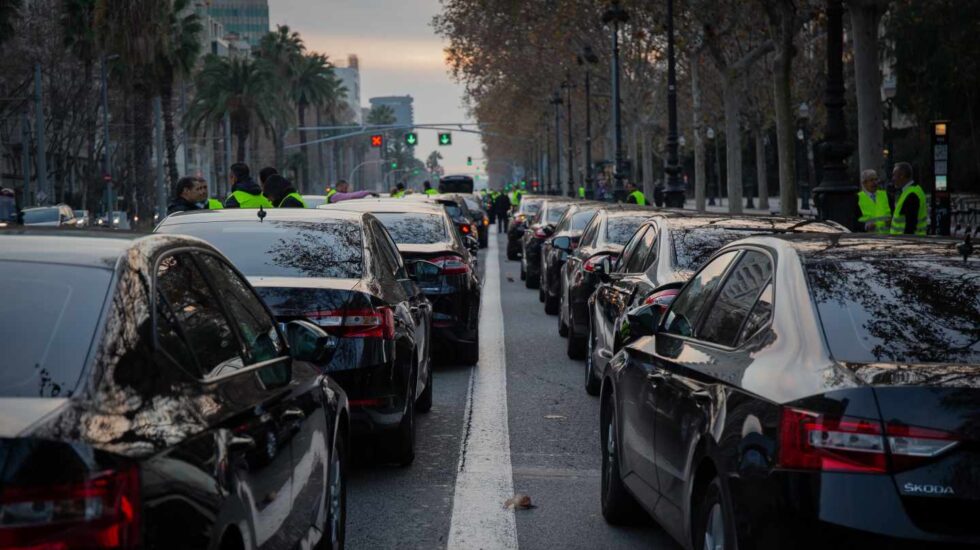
<point>59,215</point>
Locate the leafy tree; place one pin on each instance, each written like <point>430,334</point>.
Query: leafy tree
<point>176,61</point>
<point>313,84</point>
<point>9,11</point>
<point>278,54</point>
<point>381,115</point>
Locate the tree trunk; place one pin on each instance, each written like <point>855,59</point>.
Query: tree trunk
<point>144,189</point>
<point>733,142</point>
<point>240,152</point>
<point>865,16</point>
<point>305,180</point>
<point>762,176</point>
<point>631,150</point>
<point>647,152</point>
<point>277,142</point>
<point>166,98</point>
<point>785,136</point>
<point>321,168</point>
<point>700,174</point>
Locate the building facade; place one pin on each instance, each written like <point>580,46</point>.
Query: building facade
<point>350,76</point>
<point>401,105</point>
<point>249,19</point>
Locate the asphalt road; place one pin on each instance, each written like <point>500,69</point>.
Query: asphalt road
<point>554,456</point>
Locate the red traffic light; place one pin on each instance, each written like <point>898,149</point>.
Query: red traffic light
<point>534,184</point>
<point>377,140</point>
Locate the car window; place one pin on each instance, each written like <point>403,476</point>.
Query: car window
<point>723,321</point>
<point>644,254</point>
<point>590,232</point>
<point>49,315</point>
<point>412,228</point>
<point>621,228</point>
<point>555,212</point>
<point>683,314</point>
<point>256,327</point>
<point>387,265</point>
<point>563,224</point>
<point>760,315</point>
<point>581,219</point>
<point>41,215</point>
<point>189,315</point>
<point>396,256</point>
<point>324,248</point>
<point>630,248</point>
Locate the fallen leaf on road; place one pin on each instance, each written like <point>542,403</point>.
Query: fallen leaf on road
<point>510,279</point>
<point>518,502</point>
<point>554,417</point>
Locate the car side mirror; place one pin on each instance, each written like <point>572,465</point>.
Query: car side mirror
<point>641,321</point>
<point>422,271</point>
<point>308,342</point>
<point>548,230</point>
<point>562,243</point>
<point>602,269</point>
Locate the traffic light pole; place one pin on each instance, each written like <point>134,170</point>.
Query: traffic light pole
<point>571,192</point>
<point>674,188</point>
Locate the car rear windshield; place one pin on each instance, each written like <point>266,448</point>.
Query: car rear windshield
<point>408,228</point>
<point>693,247</point>
<point>899,311</point>
<point>581,219</point>
<point>322,249</point>
<point>472,204</point>
<point>49,314</point>
<point>454,210</point>
<point>43,215</point>
<point>619,230</point>
<point>530,207</point>
<point>555,213</point>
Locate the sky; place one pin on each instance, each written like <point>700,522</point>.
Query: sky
<point>399,54</point>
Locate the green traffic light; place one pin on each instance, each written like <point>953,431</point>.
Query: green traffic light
<point>469,161</point>
<point>445,139</point>
<point>411,139</point>
<point>394,165</point>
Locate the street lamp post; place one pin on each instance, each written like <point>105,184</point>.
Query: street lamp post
<point>617,16</point>
<point>674,187</point>
<point>888,91</point>
<point>710,184</point>
<point>556,101</point>
<point>834,196</point>
<point>803,135</point>
<point>587,58</point>
<point>567,85</point>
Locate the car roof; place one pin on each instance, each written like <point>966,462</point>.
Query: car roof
<point>87,248</point>
<point>815,247</point>
<point>386,205</point>
<point>685,221</point>
<point>251,214</point>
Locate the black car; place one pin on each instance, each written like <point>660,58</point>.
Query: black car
<point>568,230</point>
<point>657,260</point>
<point>519,221</point>
<point>341,271</point>
<point>468,216</point>
<point>150,400</point>
<point>540,227</point>
<point>604,237</point>
<point>479,217</point>
<point>424,232</point>
<point>808,391</point>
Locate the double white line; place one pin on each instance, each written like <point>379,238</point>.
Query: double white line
<point>484,479</point>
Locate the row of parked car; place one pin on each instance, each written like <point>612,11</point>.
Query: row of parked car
<point>203,386</point>
<point>768,382</point>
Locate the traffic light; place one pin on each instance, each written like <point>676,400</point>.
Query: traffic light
<point>377,140</point>
<point>394,164</point>
<point>445,138</point>
<point>411,139</point>
<point>469,161</point>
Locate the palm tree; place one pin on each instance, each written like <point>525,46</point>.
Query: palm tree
<point>312,85</point>
<point>239,88</point>
<point>177,61</point>
<point>9,10</point>
<point>381,114</point>
<point>333,108</point>
<point>278,53</point>
<point>432,163</point>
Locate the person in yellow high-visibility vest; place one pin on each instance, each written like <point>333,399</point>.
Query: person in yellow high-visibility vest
<point>911,214</point>
<point>876,214</point>
<point>245,193</point>
<point>429,190</point>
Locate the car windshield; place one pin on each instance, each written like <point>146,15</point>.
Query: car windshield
<point>530,207</point>
<point>899,311</point>
<point>619,230</point>
<point>323,249</point>
<point>581,219</point>
<point>41,215</point>
<point>555,213</point>
<point>408,228</point>
<point>49,314</point>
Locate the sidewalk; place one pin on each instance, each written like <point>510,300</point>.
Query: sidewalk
<point>721,207</point>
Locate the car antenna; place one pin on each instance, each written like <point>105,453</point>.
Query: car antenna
<point>262,214</point>
<point>965,248</point>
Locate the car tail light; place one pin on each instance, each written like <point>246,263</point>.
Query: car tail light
<point>357,323</point>
<point>465,229</point>
<point>451,265</point>
<point>594,261</point>
<point>812,441</point>
<point>662,300</point>
<point>100,512</point>
<point>540,233</point>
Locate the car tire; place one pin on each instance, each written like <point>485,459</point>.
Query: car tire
<point>523,273</point>
<point>469,353</point>
<point>424,402</point>
<point>592,383</point>
<point>576,345</point>
<point>551,304</point>
<point>713,527</point>
<point>532,281</point>
<point>403,445</point>
<point>335,529</point>
<point>540,294</point>
<point>618,505</point>
<point>562,326</point>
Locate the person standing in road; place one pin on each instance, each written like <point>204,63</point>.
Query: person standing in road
<point>265,173</point>
<point>501,206</point>
<point>281,193</point>
<point>341,192</point>
<point>399,191</point>
<point>428,190</point>
<point>189,194</point>
<point>581,192</point>
<point>634,196</point>
<point>911,215</point>
<point>245,193</point>
<point>876,215</point>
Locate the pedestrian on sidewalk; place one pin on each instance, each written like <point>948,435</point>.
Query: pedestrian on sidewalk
<point>281,193</point>
<point>634,195</point>
<point>189,194</point>
<point>911,215</point>
<point>501,206</point>
<point>245,193</point>
<point>876,215</point>
<point>341,192</point>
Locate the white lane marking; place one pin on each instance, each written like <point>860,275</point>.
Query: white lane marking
<point>484,479</point>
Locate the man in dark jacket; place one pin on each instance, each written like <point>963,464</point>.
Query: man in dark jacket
<point>501,207</point>
<point>281,193</point>
<point>189,194</point>
<point>245,193</point>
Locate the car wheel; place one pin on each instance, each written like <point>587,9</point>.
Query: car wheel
<point>618,505</point>
<point>551,304</point>
<point>335,530</point>
<point>592,383</point>
<point>540,294</point>
<point>424,403</point>
<point>531,281</point>
<point>523,273</point>
<point>403,447</point>
<point>714,528</point>
<point>562,326</point>
<point>469,353</point>
<point>576,345</point>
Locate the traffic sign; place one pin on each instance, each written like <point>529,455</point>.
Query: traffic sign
<point>411,139</point>
<point>469,161</point>
<point>445,138</point>
<point>377,140</point>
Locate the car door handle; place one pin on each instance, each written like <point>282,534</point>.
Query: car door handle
<point>657,376</point>
<point>241,443</point>
<point>292,413</point>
